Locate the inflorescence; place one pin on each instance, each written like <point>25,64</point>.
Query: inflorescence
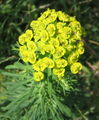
<point>53,42</point>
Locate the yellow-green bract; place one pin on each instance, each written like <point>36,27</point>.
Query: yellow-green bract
<point>53,41</point>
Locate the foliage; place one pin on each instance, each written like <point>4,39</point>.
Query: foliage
<point>29,99</point>
<point>87,12</point>
<point>26,99</point>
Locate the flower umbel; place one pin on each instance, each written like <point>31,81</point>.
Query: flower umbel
<point>53,42</point>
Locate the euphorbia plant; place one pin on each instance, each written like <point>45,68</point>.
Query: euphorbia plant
<point>50,50</point>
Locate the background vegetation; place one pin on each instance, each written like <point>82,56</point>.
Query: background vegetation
<point>15,17</point>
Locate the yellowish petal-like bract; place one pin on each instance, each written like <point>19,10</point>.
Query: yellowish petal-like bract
<point>38,76</point>
<point>76,67</point>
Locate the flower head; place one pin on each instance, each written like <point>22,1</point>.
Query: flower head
<point>53,42</point>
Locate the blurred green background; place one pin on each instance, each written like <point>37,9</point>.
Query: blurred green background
<point>15,17</point>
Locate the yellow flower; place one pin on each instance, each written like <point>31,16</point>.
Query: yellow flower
<point>60,51</point>
<point>59,72</point>
<point>71,19</point>
<point>31,57</point>
<point>31,46</point>
<point>61,63</point>
<point>37,36</point>
<point>80,44</point>
<point>38,76</point>
<point>65,32</point>
<point>49,62</point>
<point>22,39</point>
<point>40,65</point>
<point>62,40</point>
<point>78,35</point>
<point>47,21</point>
<point>80,50</point>
<point>42,47</point>
<point>50,49</point>
<point>51,29</point>
<point>54,42</point>
<point>29,34</point>
<point>60,25</point>
<point>41,26</point>
<point>76,67</point>
<point>69,47</point>
<point>73,57</point>
<point>62,37</point>
<point>76,28</point>
<point>45,14</point>
<point>24,55</point>
<point>62,16</point>
<point>72,41</point>
<point>44,35</point>
<point>34,24</point>
<point>75,25</point>
<point>23,51</point>
<point>53,16</point>
<point>22,48</point>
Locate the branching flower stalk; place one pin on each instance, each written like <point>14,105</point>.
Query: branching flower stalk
<point>51,49</point>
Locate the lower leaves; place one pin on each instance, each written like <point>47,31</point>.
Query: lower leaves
<point>27,99</point>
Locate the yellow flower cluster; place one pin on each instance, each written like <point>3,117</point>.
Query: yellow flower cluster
<point>53,42</point>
